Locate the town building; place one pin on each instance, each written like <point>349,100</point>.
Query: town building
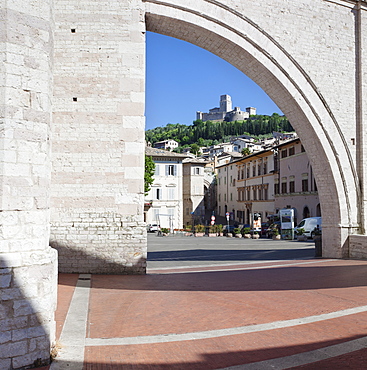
<point>165,196</point>
<point>227,201</point>
<point>255,184</point>
<point>166,144</point>
<point>225,112</point>
<point>294,183</point>
<point>198,187</point>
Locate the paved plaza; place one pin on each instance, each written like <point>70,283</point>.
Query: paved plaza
<point>217,303</point>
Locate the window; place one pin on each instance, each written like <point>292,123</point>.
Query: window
<point>225,181</point>
<point>197,171</point>
<point>254,170</point>
<point>291,151</point>
<point>305,185</point>
<point>171,170</point>
<point>248,172</point>
<point>258,170</point>
<point>156,170</point>
<point>171,193</point>
<point>248,194</point>
<point>291,186</point>
<point>225,197</point>
<point>231,197</point>
<point>219,196</point>
<point>266,195</point>
<point>156,214</point>
<point>265,168</point>
<point>276,188</point>
<point>284,153</point>
<point>158,194</point>
<point>284,187</point>
<point>254,191</point>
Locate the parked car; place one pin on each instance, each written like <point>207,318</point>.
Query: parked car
<point>309,225</point>
<point>153,228</point>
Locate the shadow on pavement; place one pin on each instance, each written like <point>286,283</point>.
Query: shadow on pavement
<point>231,255</point>
<point>304,277</point>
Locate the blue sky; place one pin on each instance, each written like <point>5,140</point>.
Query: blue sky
<point>183,78</point>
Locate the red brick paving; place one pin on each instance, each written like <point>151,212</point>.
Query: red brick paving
<point>181,303</point>
<point>123,306</point>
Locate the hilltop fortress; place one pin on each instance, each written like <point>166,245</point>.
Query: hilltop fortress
<point>225,112</point>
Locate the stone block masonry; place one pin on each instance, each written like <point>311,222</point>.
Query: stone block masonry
<point>97,192</point>
<point>28,266</point>
<point>106,243</point>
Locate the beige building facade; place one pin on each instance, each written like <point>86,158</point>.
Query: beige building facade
<point>255,184</point>
<point>294,183</point>
<point>193,191</point>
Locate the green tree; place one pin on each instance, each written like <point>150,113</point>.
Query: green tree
<point>195,149</point>
<point>149,172</point>
<point>245,151</point>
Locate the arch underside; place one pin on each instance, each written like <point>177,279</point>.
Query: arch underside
<point>289,87</point>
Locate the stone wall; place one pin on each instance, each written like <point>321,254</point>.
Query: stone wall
<point>28,266</point>
<point>358,247</point>
<point>98,137</point>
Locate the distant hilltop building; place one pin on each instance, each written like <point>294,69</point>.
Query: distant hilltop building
<point>166,145</point>
<point>225,112</point>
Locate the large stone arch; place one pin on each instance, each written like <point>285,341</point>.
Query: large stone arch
<point>81,66</point>
<point>232,35</point>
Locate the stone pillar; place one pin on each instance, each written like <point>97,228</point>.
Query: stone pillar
<point>98,139</point>
<point>28,276</point>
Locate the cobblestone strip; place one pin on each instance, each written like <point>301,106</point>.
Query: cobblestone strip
<point>305,358</point>
<point>72,339</point>
<point>164,338</point>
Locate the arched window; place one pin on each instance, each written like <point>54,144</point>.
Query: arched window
<point>318,210</point>
<point>306,212</point>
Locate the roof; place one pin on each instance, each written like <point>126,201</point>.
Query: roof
<point>163,153</point>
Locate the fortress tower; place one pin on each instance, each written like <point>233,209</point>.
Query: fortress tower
<point>225,103</point>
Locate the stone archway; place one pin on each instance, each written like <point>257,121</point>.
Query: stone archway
<point>242,37</point>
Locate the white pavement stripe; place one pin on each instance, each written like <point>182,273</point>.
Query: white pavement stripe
<point>164,338</point>
<point>72,339</point>
<point>305,357</point>
<point>193,269</point>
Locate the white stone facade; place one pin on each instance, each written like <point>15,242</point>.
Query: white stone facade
<point>98,137</point>
<point>28,266</point>
<point>166,193</point>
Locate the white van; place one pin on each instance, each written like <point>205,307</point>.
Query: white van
<point>309,225</point>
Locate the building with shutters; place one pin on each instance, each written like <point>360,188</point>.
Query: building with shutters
<point>165,196</point>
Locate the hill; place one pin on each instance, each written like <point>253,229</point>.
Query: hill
<point>209,133</point>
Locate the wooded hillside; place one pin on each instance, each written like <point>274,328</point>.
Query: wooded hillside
<point>209,133</point>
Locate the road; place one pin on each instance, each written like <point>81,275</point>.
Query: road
<point>179,251</point>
